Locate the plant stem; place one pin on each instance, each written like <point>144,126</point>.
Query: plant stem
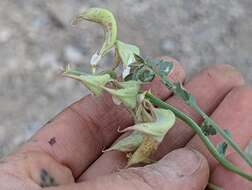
<point>169,84</point>
<point>184,117</point>
<point>228,139</point>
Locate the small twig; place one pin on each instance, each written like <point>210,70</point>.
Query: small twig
<point>184,117</point>
<point>170,85</point>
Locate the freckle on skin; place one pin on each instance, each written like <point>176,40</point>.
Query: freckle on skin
<point>52,141</point>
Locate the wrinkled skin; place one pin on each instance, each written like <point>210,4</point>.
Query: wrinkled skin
<point>66,153</point>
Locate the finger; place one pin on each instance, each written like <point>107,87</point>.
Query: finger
<point>32,170</point>
<point>229,180</point>
<point>209,87</point>
<point>182,169</point>
<point>77,136</point>
<point>234,114</point>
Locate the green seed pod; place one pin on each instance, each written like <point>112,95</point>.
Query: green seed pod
<point>145,137</point>
<point>165,119</point>
<point>108,22</point>
<point>126,95</point>
<point>94,83</point>
<point>129,143</point>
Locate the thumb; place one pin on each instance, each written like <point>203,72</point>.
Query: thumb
<point>182,169</point>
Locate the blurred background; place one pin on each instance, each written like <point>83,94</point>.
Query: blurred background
<point>37,40</point>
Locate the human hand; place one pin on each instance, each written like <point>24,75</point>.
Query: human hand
<point>66,152</point>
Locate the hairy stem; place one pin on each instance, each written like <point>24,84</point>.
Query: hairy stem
<point>184,117</point>
<point>219,130</point>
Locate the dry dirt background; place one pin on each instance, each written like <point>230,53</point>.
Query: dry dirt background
<point>36,40</point>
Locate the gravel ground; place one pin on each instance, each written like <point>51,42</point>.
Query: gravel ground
<point>37,40</point>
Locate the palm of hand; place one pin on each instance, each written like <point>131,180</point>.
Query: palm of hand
<point>68,149</point>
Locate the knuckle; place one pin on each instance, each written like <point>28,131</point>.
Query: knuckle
<point>225,72</point>
<point>244,93</point>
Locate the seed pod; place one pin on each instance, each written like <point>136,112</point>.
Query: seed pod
<point>108,22</point>
<point>94,83</point>
<point>129,143</point>
<point>145,137</point>
<point>165,119</point>
<point>126,95</point>
<point>144,151</point>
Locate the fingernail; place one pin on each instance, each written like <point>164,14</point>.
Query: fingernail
<point>182,162</point>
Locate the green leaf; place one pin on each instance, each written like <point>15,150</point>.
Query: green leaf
<point>94,83</point>
<point>207,128</point>
<point>165,119</point>
<point>127,94</point>
<point>144,74</point>
<point>126,53</point>
<point>139,59</point>
<point>145,70</point>
<point>129,77</point>
<point>222,148</point>
<point>184,94</point>
<point>139,71</point>
<point>163,68</point>
<point>134,73</point>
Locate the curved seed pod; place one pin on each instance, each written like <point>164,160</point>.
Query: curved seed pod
<point>108,22</point>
